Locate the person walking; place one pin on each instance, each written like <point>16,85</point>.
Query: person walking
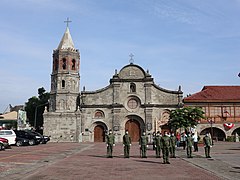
<point>126,144</point>
<point>173,140</point>
<point>110,140</point>
<point>143,144</point>
<point>158,145</point>
<point>165,147</point>
<point>189,144</point>
<point>207,144</point>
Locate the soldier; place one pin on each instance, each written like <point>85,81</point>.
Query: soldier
<point>165,147</point>
<point>154,140</point>
<point>189,143</point>
<point>207,145</point>
<point>158,145</point>
<point>143,141</point>
<point>126,144</point>
<point>173,140</point>
<point>110,140</point>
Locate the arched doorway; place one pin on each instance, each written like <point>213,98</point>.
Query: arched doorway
<point>237,130</point>
<point>134,130</point>
<point>99,133</point>
<point>217,134</point>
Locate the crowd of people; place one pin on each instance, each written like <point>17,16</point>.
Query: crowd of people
<point>165,144</point>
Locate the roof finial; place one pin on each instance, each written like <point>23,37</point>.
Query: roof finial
<point>131,60</point>
<point>67,21</point>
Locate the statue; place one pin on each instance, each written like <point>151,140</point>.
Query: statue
<point>78,102</point>
<point>237,137</point>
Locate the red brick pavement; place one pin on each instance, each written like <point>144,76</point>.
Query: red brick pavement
<point>91,163</point>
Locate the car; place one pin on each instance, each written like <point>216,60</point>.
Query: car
<point>10,135</point>
<point>22,141</point>
<point>2,147</point>
<point>33,139</point>
<point>44,139</point>
<point>5,143</point>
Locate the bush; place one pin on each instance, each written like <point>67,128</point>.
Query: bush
<point>230,139</point>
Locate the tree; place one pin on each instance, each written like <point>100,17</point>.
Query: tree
<point>185,117</point>
<point>37,105</point>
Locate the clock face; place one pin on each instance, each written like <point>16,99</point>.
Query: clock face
<point>132,104</point>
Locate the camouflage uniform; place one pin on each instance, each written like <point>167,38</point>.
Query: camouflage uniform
<point>110,140</point>
<point>207,145</point>
<point>126,144</point>
<point>189,143</point>
<point>165,148</point>
<point>173,140</point>
<point>143,141</point>
<point>158,145</point>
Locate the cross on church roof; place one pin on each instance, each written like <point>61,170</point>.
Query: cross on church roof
<point>67,21</point>
<point>131,60</point>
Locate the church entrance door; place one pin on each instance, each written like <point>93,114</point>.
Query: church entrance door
<point>99,135</point>
<point>134,130</point>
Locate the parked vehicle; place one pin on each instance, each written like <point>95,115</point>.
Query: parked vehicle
<point>22,141</point>
<point>44,139</point>
<point>33,139</point>
<point>5,143</point>
<point>2,148</point>
<point>9,135</point>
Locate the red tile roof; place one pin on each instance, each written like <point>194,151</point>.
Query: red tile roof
<point>216,94</point>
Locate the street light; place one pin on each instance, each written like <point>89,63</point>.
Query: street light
<point>35,118</point>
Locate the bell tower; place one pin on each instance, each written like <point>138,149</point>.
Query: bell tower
<point>65,75</point>
<point>62,121</point>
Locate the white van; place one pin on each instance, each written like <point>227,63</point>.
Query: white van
<point>9,135</point>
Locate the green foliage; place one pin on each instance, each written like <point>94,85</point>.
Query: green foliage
<point>231,139</point>
<point>185,117</point>
<point>37,104</point>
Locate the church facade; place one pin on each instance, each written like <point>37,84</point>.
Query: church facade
<point>131,101</point>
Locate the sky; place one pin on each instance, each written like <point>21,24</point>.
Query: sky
<point>192,43</point>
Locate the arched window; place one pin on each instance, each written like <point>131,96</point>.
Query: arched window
<point>64,65</point>
<point>132,88</point>
<point>73,64</point>
<point>99,114</point>
<point>63,84</point>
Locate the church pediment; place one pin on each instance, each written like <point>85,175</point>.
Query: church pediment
<point>132,71</point>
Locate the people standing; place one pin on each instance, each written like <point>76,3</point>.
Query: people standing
<point>110,140</point>
<point>173,145</point>
<point>165,147</point>
<point>195,142</point>
<point>178,136</point>
<point>158,145</point>
<point>126,143</point>
<point>183,139</point>
<point>189,144</point>
<point>153,140</point>
<point>143,144</point>
<point>207,144</point>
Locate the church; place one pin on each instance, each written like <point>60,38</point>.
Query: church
<point>131,101</point>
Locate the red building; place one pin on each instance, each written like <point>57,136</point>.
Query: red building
<point>221,105</point>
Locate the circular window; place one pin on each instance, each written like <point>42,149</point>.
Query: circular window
<point>132,104</point>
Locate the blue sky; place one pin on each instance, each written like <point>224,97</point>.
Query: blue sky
<point>191,43</point>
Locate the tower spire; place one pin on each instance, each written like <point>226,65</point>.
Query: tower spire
<point>66,42</point>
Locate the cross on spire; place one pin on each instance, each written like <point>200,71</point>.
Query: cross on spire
<point>67,21</point>
<point>131,58</point>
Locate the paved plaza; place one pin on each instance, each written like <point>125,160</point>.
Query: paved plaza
<point>55,161</point>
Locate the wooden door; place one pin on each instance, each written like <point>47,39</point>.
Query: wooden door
<point>99,135</point>
<point>133,128</point>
